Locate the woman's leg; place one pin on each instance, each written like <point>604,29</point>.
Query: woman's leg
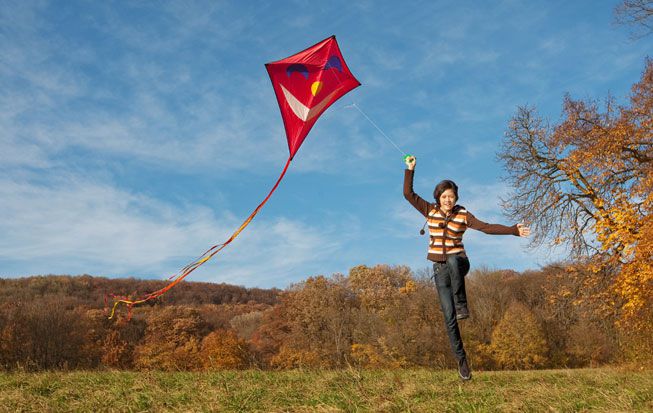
<point>442,274</point>
<point>459,266</point>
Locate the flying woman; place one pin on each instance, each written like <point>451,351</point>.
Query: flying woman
<point>447,223</point>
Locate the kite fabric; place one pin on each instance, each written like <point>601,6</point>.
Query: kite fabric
<point>305,85</point>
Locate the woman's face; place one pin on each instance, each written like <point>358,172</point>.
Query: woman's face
<point>447,200</point>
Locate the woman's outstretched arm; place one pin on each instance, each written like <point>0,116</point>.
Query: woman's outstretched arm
<point>415,200</point>
<point>519,230</point>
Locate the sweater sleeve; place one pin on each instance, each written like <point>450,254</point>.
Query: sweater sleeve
<point>493,229</point>
<point>415,200</point>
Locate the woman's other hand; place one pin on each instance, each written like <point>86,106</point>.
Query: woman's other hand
<point>524,231</point>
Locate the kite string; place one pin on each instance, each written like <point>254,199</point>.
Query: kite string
<point>377,128</point>
<point>368,118</point>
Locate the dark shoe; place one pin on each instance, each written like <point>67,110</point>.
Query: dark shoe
<point>462,313</point>
<point>463,369</point>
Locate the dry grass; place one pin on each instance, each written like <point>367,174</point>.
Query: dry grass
<point>420,390</point>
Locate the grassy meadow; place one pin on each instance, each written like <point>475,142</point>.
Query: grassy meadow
<point>419,390</point>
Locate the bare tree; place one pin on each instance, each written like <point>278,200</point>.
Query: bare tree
<point>546,195</point>
<point>636,13</point>
<point>586,181</point>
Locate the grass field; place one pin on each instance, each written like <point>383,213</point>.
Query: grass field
<point>420,390</point>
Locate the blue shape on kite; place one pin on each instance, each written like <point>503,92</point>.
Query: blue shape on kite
<point>333,62</point>
<point>299,68</point>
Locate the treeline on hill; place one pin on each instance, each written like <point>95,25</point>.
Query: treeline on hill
<point>372,317</point>
<point>93,291</point>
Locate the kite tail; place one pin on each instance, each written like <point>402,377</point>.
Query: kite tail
<point>177,278</point>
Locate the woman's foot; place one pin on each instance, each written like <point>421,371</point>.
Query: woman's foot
<point>464,371</point>
<point>462,313</point>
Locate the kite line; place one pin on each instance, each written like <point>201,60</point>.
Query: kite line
<point>379,129</point>
<point>353,104</point>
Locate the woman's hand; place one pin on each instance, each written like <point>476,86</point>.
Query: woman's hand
<point>410,162</point>
<point>524,231</point>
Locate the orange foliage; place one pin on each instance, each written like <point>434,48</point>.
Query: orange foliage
<point>366,355</point>
<point>222,349</point>
<point>172,340</point>
<point>518,341</point>
<point>291,358</point>
<point>588,183</point>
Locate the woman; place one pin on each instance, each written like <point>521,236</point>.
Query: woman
<point>447,223</point>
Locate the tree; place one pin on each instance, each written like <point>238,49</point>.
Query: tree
<point>116,339</point>
<point>45,334</point>
<point>518,341</point>
<point>267,340</point>
<point>587,183</point>
<point>578,313</point>
<point>246,324</point>
<point>375,316</point>
<point>319,316</point>
<point>490,293</point>
<point>589,345</point>
<point>398,319</point>
<point>636,13</point>
<point>222,349</point>
<point>569,180</point>
<point>172,340</point>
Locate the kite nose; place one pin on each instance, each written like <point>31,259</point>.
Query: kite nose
<point>316,87</point>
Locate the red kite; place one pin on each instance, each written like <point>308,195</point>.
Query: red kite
<point>305,84</point>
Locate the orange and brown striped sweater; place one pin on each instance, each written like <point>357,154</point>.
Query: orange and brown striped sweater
<point>446,230</point>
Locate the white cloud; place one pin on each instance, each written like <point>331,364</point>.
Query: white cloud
<point>404,221</point>
<point>277,253</point>
<point>14,153</point>
<point>75,225</point>
<point>483,200</point>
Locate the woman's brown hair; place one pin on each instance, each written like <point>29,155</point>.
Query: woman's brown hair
<point>443,186</point>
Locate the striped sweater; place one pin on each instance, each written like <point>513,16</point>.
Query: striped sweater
<point>446,230</point>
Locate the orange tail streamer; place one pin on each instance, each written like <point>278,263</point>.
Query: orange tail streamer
<point>177,278</point>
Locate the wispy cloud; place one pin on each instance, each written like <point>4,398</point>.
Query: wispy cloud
<point>72,225</point>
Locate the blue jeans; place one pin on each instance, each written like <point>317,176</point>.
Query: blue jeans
<point>450,281</point>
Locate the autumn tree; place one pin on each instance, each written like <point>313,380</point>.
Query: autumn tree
<point>588,345</point>
<point>267,339</point>
<point>113,341</point>
<point>44,334</point>
<point>223,349</point>
<point>172,340</point>
<point>246,324</point>
<point>518,341</point>
<point>318,313</point>
<point>490,293</point>
<point>587,183</point>
<point>397,317</point>
<point>578,313</point>
<point>379,315</point>
<point>375,316</point>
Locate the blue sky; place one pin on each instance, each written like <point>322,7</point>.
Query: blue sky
<point>135,135</point>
